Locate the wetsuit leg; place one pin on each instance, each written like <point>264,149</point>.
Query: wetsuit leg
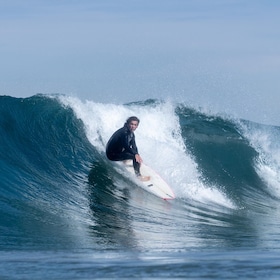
<point>136,167</point>
<point>125,156</point>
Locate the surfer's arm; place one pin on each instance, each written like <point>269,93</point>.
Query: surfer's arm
<point>134,148</point>
<point>130,145</point>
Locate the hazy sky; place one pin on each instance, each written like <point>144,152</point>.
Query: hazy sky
<point>219,54</point>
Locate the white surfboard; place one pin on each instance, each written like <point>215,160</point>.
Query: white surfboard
<point>156,185</point>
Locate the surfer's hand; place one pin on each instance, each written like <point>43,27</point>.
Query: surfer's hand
<point>138,158</point>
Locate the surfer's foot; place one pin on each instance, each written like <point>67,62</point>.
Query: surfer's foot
<point>144,178</point>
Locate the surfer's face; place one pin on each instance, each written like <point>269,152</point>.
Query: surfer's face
<point>133,125</point>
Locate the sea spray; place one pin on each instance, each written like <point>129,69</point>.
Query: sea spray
<point>265,140</point>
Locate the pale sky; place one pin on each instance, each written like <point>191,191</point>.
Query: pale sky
<point>223,55</point>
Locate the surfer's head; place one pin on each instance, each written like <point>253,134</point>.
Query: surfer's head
<point>132,123</point>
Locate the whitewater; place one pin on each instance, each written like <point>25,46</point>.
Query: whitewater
<point>69,213</point>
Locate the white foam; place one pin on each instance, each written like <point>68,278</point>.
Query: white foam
<point>159,142</point>
<point>265,140</point>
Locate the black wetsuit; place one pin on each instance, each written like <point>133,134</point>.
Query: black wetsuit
<point>122,146</point>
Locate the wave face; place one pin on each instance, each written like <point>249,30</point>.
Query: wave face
<point>44,153</point>
<point>59,192</point>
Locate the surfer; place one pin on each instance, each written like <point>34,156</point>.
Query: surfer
<point>122,146</point>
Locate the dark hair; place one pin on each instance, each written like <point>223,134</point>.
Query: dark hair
<point>130,119</point>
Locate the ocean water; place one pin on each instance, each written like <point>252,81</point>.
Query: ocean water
<point>69,213</point>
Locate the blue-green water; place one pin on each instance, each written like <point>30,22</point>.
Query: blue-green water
<point>69,213</point>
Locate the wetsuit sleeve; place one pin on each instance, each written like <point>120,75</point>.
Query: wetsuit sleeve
<point>133,147</point>
<point>129,143</point>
